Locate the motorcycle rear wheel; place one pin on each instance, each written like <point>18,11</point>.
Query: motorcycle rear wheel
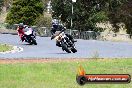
<point>34,41</point>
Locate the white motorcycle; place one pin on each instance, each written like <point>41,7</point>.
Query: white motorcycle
<point>30,36</point>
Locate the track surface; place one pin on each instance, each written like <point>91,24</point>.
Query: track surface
<point>86,48</point>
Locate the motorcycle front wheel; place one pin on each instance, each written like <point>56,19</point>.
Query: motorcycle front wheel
<point>74,50</point>
<point>64,47</point>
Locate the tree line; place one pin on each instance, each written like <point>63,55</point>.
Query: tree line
<point>85,16</point>
<point>89,12</point>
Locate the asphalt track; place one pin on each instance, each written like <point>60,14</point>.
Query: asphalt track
<point>86,49</point>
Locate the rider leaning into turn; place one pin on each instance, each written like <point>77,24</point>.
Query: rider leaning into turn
<point>20,30</point>
<point>58,27</point>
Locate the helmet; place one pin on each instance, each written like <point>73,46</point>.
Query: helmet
<point>55,23</point>
<point>25,26</point>
<point>21,25</point>
<point>26,29</point>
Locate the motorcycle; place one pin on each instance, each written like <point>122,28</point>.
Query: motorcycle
<point>66,44</point>
<point>30,36</point>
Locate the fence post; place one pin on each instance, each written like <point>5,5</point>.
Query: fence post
<point>75,34</point>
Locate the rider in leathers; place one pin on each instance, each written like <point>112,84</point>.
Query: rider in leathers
<point>57,27</point>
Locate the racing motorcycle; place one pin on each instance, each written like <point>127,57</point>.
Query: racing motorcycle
<point>66,44</point>
<point>30,36</point>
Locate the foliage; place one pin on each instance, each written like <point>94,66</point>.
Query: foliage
<point>122,14</point>
<point>89,12</point>
<point>86,13</point>
<point>1,4</point>
<point>5,47</point>
<point>43,21</point>
<point>25,11</point>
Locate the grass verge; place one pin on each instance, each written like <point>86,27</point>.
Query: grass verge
<point>5,47</point>
<point>61,74</point>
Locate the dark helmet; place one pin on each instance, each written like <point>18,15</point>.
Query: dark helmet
<point>21,25</point>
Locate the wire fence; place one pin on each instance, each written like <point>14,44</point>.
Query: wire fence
<point>87,35</point>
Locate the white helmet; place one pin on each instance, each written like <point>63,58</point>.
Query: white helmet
<point>55,22</point>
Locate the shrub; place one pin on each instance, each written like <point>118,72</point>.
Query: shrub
<point>25,11</point>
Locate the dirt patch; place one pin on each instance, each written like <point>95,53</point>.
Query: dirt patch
<point>43,60</point>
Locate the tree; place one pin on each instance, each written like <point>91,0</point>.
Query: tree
<point>114,12</point>
<point>86,13</point>
<point>89,12</point>
<point>25,11</point>
<point>44,21</point>
<point>122,13</point>
<point>1,4</point>
<point>127,14</point>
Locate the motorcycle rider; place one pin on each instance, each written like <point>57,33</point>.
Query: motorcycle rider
<point>58,27</point>
<point>20,30</point>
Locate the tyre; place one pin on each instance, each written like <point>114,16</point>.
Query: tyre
<point>34,41</point>
<point>74,50</point>
<point>64,47</point>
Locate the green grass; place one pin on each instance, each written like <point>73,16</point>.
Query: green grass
<point>61,74</point>
<point>5,47</point>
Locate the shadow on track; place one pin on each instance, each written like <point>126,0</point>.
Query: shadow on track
<point>27,44</point>
<point>60,53</point>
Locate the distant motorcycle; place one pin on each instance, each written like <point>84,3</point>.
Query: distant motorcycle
<point>66,44</point>
<point>30,36</point>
